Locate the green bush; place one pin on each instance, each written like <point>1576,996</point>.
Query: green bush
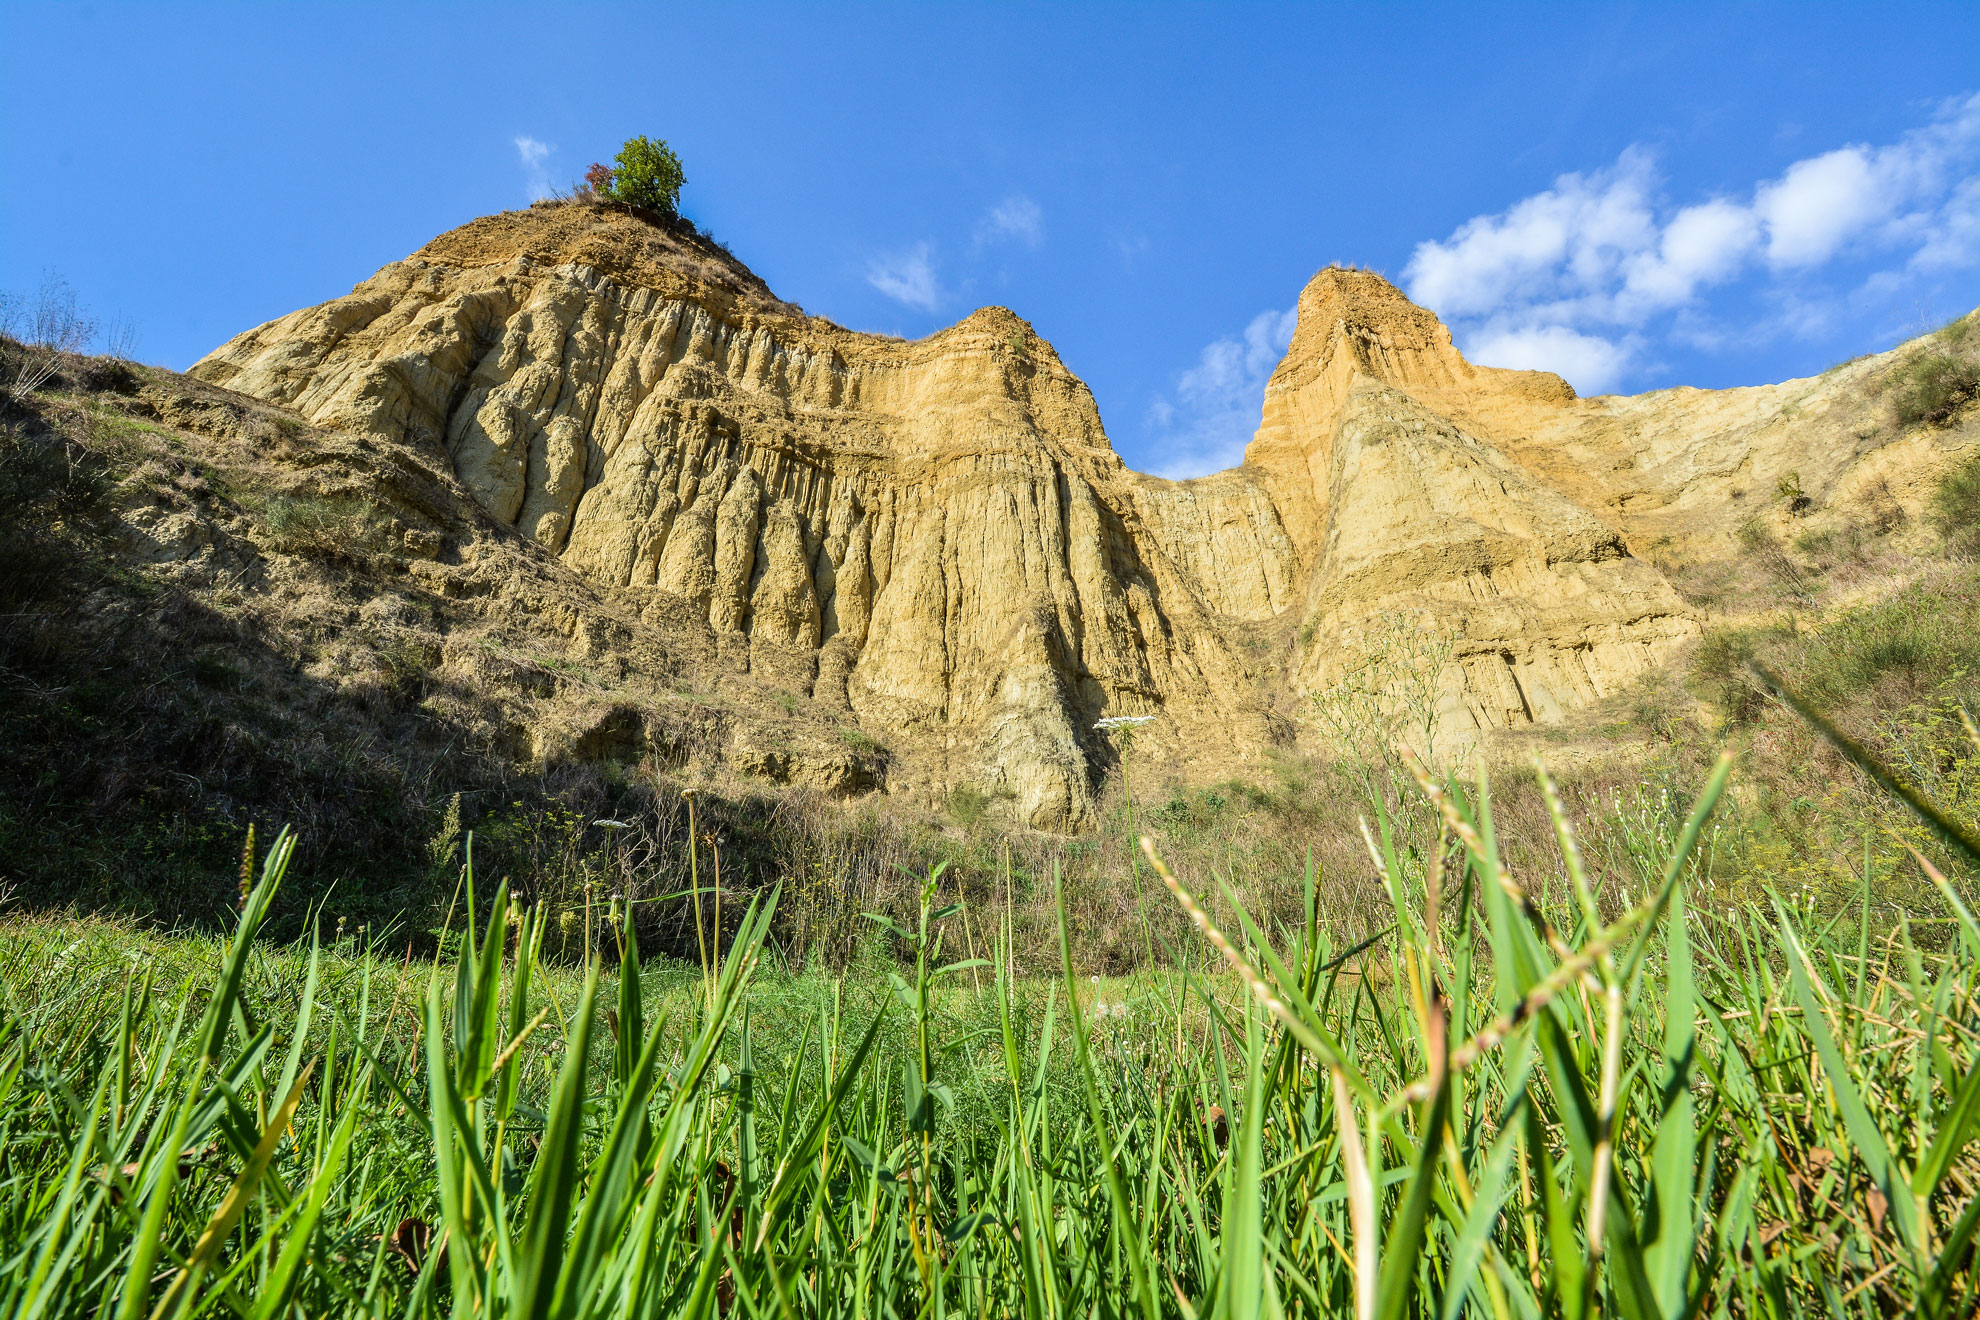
<point>406,661</point>
<point>860,741</point>
<point>967,805</point>
<point>647,174</point>
<point>1200,809</point>
<point>40,475</point>
<point>1790,491</point>
<point>332,527</point>
<point>1956,504</point>
<point>1933,387</point>
<point>1719,669</point>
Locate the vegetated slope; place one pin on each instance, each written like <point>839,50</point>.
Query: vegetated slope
<point>216,614</point>
<point>934,539</point>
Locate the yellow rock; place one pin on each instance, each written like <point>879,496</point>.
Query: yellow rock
<point>936,538</point>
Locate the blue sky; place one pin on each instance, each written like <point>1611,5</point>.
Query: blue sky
<point>1635,196</point>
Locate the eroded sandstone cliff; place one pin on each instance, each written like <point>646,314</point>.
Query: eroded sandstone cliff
<point>934,539</point>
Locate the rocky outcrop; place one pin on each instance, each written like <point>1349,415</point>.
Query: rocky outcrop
<point>1377,442</point>
<point>934,540</point>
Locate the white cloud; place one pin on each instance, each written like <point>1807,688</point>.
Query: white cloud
<point>1131,247</point>
<point>1591,364</point>
<point>907,277</point>
<point>1015,219</point>
<point>1204,424</point>
<point>1702,245</point>
<point>1821,203</point>
<point>1953,240</point>
<point>1564,240</point>
<point>533,154</point>
<point>1574,278</point>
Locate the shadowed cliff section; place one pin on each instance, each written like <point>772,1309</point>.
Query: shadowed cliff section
<point>933,541</point>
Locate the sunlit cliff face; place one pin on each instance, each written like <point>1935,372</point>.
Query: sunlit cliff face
<point>936,540</point>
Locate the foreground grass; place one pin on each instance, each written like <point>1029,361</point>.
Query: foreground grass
<point>1503,1105</point>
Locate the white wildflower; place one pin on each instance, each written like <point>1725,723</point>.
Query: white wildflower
<point>1113,722</point>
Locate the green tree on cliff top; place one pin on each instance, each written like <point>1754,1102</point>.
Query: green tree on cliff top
<point>647,174</point>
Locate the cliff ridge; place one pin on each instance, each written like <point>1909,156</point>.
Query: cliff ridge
<point>934,540</point>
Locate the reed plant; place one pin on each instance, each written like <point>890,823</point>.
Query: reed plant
<point>1521,1100</point>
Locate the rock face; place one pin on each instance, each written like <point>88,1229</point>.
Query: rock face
<point>1378,441</point>
<point>935,540</point>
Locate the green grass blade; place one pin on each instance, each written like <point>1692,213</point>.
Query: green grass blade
<point>1123,1215</point>
<point>1694,826</point>
<point>1864,1134</point>
<point>1955,1128</point>
<point>1474,1234</point>
<point>1243,1281</point>
<point>1667,1256</point>
<point>554,1180</point>
<point>280,1286</point>
<point>150,1241</point>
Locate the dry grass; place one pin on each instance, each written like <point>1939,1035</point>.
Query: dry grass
<point>1935,385</point>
